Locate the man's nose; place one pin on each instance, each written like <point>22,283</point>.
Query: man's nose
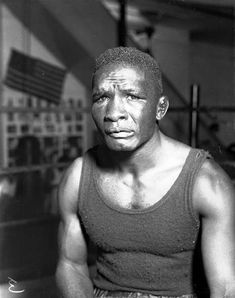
<point>115,110</point>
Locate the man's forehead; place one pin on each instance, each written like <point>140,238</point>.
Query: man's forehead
<point>124,77</point>
<point>123,74</point>
<point>119,73</point>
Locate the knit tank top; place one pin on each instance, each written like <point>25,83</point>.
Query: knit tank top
<point>144,250</point>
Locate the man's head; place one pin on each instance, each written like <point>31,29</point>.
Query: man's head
<point>132,57</point>
<point>126,98</point>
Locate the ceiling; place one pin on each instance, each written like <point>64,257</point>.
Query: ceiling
<point>211,20</point>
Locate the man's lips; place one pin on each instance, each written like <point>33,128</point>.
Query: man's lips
<point>119,132</point>
<point>116,130</point>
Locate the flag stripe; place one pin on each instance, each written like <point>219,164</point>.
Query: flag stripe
<point>32,91</point>
<point>42,74</point>
<point>23,87</point>
<point>23,82</point>
<point>54,85</point>
<point>53,69</point>
<point>39,70</point>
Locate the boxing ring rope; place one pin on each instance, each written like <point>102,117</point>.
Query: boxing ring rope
<point>41,110</point>
<point>32,168</point>
<point>204,109</point>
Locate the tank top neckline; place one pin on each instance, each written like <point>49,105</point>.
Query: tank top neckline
<point>154,206</point>
<point>171,190</point>
<point>168,194</point>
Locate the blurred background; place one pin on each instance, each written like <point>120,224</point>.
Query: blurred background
<point>46,61</point>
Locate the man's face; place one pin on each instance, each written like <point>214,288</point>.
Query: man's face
<point>124,106</point>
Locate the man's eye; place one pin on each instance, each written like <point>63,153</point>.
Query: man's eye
<point>100,99</point>
<point>132,97</point>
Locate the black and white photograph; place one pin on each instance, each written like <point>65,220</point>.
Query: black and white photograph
<point>117,148</point>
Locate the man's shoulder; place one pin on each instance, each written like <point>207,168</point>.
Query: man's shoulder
<point>211,172</point>
<point>69,184</point>
<point>68,189</point>
<point>213,187</point>
<point>74,169</point>
<point>72,175</point>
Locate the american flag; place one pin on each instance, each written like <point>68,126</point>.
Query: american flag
<point>35,77</point>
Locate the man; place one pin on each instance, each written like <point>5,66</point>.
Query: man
<point>144,199</point>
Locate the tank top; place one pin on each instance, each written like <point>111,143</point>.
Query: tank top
<point>144,250</point>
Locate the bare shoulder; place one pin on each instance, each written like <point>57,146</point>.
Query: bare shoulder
<point>213,190</point>
<point>69,187</point>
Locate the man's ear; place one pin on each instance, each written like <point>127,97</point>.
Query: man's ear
<point>162,107</point>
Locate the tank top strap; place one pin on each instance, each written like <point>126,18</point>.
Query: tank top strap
<point>196,160</point>
<point>86,174</point>
<point>194,163</point>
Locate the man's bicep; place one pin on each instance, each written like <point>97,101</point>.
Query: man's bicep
<point>71,239</point>
<point>72,243</point>
<point>218,248</point>
<point>72,273</point>
<point>217,206</point>
<point>69,188</point>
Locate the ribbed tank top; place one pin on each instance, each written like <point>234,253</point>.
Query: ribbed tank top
<point>144,250</point>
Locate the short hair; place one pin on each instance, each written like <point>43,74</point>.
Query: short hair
<point>133,57</point>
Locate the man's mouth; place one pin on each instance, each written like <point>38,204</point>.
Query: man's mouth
<point>119,133</point>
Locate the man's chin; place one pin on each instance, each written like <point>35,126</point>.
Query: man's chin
<point>120,147</point>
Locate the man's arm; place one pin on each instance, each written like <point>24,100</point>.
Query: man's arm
<point>72,273</point>
<point>214,199</point>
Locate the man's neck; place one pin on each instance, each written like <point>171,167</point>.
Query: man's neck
<point>135,162</point>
